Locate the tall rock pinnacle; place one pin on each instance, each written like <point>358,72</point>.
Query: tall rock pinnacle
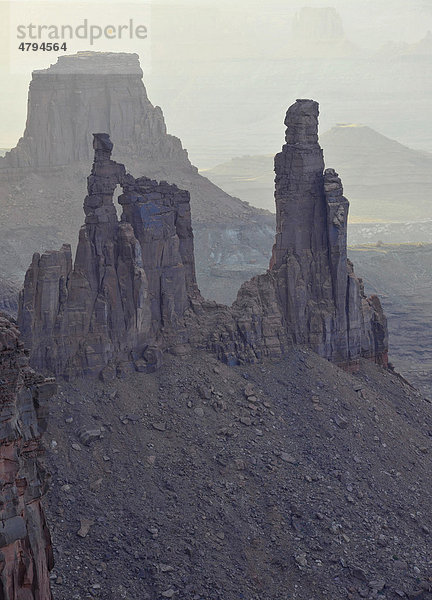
<point>323,302</point>
<point>310,296</point>
<point>299,168</point>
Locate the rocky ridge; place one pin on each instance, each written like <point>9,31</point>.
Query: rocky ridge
<point>25,544</point>
<point>132,294</point>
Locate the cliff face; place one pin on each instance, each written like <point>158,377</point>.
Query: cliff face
<point>123,300</point>
<point>92,92</point>
<point>47,170</point>
<point>25,545</point>
<point>132,292</point>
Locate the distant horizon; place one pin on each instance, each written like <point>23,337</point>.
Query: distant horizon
<point>214,62</point>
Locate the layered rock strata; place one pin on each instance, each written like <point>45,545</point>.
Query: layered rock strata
<point>132,292</point>
<point>25,545</point>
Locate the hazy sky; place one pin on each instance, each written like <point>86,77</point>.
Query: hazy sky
<point>190,34</point>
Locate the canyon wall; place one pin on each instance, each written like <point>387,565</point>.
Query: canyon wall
<point>132,293</point>
<point>25,545</point>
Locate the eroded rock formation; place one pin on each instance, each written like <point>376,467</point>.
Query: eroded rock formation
<point>310,295</point>
<point>323,302</point>
<point>132,292</point>
<point>25,544</point>
<point>123,300</point>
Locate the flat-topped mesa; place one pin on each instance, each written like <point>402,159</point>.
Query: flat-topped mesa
<point>91,91</point>
<point>312,24</point>
<point>122,302</point>
<point>98,63</point>
<point>25,543</point>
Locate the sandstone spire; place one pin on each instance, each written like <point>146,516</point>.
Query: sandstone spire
<point>310,296</point>
<point>300,217</point>
<point>323,303</point>
<point>122,301</point>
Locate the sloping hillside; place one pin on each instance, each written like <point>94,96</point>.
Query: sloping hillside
<point>281,480</point>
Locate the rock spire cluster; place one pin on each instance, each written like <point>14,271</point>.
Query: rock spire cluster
<point>132,294</point>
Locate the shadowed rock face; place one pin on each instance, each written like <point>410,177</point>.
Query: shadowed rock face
<point>25,544</point>
<point>310,295</point>
<point>132,292</point>
<point>123,301</point>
